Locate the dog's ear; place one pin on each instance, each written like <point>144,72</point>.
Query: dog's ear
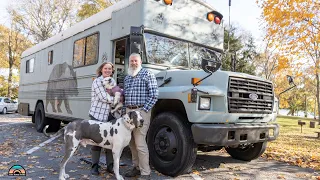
<point>134,116</point>
<point>130,114</point>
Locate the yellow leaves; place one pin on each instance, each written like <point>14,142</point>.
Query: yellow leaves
<point>4,167</point>
<point>299,74</point>
<point>196,172</point>
<point>293,23</point>
<point>299,161</point>
<point>281,177</point>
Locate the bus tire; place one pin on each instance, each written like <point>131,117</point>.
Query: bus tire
<point>171,146</point>
<point>247,153</point>
<point>40,118</point>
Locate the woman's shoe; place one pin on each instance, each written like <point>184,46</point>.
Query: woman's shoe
<point>110,168</point>
<point>95,169</point>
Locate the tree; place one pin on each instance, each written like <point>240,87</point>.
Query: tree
<point>270,62</point>
<point>43,18</point>
<point>295,25</point>
<point>241,52</point>
<point>12,44</point>
<point>91,7</point>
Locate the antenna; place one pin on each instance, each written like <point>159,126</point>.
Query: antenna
<point>229,27</point>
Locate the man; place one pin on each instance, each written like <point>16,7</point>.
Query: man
<point>140,92</point>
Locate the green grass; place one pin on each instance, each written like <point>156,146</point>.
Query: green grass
<point>294,147</point>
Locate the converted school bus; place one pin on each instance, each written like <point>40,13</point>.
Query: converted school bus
<point>180,42</point>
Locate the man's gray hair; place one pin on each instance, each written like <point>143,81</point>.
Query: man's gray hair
<point>135,55</point>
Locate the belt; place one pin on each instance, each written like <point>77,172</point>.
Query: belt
<point>134,106</point>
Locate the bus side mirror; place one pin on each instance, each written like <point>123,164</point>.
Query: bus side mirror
<point>210,65</point>
<point>290,79</point>
<point>136,40</point>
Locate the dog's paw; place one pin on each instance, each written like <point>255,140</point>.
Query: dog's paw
<point>120,177</point>
<point>66,176</point>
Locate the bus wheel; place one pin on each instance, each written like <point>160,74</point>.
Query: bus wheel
<point>247,153</point>
<point>39,117</point>
<point>171,146</point>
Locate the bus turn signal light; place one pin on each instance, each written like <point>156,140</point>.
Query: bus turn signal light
<point>214,16</point>
<point>195,81</point>
<point>168,2</point>
<point>210,17</point>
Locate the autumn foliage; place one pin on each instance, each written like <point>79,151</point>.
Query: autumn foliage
<point>293,27</point>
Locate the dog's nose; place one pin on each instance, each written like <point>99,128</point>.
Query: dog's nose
<point>141,121</point>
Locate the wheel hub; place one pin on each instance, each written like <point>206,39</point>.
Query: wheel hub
<point>165,144</point>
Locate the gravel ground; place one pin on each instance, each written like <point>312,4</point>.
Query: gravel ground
<point>18,135</point>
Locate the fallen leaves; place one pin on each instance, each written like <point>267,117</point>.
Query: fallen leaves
<point>6,148</point>
<point>196,172</point>
<point>4,167</point>
<point>281,177</point>
<point>222,165</point>
<point>293,147</point>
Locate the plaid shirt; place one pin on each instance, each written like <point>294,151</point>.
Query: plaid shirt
<point>141,90</point>
<point>99,106</point>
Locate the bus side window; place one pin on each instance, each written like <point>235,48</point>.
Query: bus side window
<point>30,65</point>
<point>50,57</point>
<point>86,50</point>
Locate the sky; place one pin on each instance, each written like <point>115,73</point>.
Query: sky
<point>244,13</point>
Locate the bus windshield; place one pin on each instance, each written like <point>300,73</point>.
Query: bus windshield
<point>175,53</point>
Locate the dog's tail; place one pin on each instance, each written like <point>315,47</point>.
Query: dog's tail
<point>60,132</point>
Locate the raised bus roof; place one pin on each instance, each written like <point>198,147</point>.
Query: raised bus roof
<point>92,21</point>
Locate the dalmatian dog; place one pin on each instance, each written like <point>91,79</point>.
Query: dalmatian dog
<point>115,91</point>
<point>114,135</point>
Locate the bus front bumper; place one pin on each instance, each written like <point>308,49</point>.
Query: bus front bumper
<point>233,134</point>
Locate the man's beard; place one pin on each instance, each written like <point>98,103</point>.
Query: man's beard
<point>133,71</point>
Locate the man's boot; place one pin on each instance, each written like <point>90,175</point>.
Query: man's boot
<point>133,172</point>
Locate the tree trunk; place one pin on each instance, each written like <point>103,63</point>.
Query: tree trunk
<point>11,60</point>
<point>10,83</point>
<point>318,98</point>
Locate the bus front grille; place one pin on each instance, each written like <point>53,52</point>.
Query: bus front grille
<point>249,96</point>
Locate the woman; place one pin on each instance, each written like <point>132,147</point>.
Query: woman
<point>100,108</point>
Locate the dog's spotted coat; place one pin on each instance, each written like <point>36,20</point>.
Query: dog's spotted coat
<point>114,135</point>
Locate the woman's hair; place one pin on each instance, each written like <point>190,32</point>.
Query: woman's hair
<point>99,73</point>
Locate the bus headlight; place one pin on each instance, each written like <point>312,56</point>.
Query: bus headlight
<point>204,103</point>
